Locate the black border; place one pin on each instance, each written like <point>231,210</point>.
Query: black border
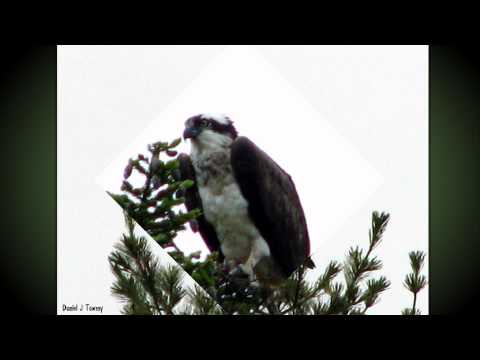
<point>462,61</point>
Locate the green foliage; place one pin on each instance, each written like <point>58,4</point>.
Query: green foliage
<point>146,287</point>
<point>415,282</point>
<point>202,304</point>
<point>141,283</point>
<point>154,206</point>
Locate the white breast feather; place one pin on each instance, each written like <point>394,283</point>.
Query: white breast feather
<point>227,211</point>
<point>223,203</point>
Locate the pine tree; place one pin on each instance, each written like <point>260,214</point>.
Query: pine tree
<point>146,287</point>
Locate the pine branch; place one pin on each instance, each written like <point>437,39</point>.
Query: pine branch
<point>141,283</point>
<point>170,289</point>
<point>415,282</point>
<point>154,205</point>
<point>310,293</point>
<point>202,303</point>
<point>356,270</point>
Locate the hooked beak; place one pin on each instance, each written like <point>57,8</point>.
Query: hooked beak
<point>190,133</point>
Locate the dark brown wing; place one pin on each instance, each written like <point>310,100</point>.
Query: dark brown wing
<point>193,201</point>
<point>274,205</point>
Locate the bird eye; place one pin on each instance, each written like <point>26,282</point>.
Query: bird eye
<point>205,123</point>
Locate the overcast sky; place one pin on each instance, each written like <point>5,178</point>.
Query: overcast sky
<point>349,123</point>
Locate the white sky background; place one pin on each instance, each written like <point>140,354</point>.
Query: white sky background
<point>349,123</point>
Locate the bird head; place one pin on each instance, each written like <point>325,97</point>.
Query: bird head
<point>209,129</point>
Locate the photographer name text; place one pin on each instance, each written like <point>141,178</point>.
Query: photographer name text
<point>83,308</point>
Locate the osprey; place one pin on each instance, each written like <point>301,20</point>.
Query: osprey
<point>251,212</point>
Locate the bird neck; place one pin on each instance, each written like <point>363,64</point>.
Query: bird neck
<point>209,142</point>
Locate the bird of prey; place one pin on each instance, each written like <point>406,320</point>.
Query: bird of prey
<point>251,212</point>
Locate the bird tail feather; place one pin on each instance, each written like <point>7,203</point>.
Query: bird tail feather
<point>309,263</point>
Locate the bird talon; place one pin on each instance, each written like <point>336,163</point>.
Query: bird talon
<point>239,272</point>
